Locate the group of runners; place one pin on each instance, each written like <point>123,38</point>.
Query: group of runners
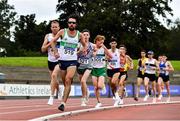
<point>70,50</point>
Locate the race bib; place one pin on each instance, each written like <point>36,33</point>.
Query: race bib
<point>69,48</point>
<point>98,59</point>
<point>69,51</point>
<point>83,61</point>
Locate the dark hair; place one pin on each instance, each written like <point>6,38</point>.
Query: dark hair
<point>55,21</point>
<point>143,50</point>
<point>85,30</point>
<point>113,39</point>
<point>122,45</point>
<point>74,16</point>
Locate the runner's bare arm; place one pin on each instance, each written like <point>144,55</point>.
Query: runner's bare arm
<point>130,61</point>
<point>107,57</point>
<point>138,64</point>
<point>157,66</point>
<point>94,50</point>
<point>45,46</point>
<point>170,67</point>
<point>82,40</point>
<point>54,40</point>
<point>107,51</point>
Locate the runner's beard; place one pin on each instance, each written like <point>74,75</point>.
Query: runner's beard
<point>71,28</point>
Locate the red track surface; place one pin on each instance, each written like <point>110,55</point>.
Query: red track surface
<point>34,108</point>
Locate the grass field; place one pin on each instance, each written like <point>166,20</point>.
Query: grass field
<point>24,61</point>
<point>42,62</point>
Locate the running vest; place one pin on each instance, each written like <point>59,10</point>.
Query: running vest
<point>114,62</point>
<point>86,59</point>
<point>99,59</point>
<point>123,64</point>
<point>51,56</point>
<point>141,64</point>
<point>68,46</point>
<point>163,65</point>
<point>149,64</point>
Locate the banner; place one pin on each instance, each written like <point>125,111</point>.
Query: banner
<point>28,90</point>
<point>103,92</point>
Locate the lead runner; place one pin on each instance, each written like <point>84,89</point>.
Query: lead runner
<point>68,55</point>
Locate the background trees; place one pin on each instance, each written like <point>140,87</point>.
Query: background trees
<point>28,35</point>
<point>7,19</point>
<point>134,23</point>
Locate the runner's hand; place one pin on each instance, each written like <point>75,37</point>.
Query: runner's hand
<point>56,54</point>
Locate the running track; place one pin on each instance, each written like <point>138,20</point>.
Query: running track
<point>132,110</point>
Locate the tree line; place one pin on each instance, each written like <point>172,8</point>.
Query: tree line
<point>134,23</point>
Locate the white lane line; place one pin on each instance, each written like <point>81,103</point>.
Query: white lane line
<point>42,109</point>
<point>31,105</point>
<point>58,115</point>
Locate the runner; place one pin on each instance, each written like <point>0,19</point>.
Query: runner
<point>99,64</point>
<point>164,68</point>
<point>68,55</point>
<point>85,66</point>
<point>113,67</point>
<point>52,61</point>
<point>140,76</point>
<point>150,75</point>
<point>126,63</point>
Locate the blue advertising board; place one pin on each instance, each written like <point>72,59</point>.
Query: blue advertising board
<point>174,90</point>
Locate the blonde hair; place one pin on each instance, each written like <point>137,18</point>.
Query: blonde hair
<point>99,37</point>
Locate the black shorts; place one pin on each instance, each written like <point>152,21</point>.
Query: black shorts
<point>51,65</point>
<point>152,77</point>
<point>140,75</point>
<point>165,78</point>
<point>65,64</point>
<point>123,73</point>
<point>111,72</point>
<point>82,71</point>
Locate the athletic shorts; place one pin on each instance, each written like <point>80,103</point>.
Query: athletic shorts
<point>81,71</point>
<point>111,72</point>
<point>123,73</point>
<point>98,72</point>
<point>51,65</point>
<point>152,77</point>
<point>65,64</point>
<point>165,78</point>
<point>140,75</point>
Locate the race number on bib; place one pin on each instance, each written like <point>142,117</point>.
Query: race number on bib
<point>112,62</point>
<point>83,61</point>
<point>69,51</point>
<point>99,59</point>
<point>69,48</point>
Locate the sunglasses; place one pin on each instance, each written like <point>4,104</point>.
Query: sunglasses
<point>71,22</point>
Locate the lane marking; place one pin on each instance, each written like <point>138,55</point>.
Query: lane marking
<point>58,115</point>
<point>42,109</point>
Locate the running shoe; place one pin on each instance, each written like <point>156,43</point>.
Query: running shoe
<point>114,98</point>
<point>61,107</point>
<point>160,97</point>
<point>83,102</point>
<point>116,103</point>
<point>168,99</point>
<point>136,98</point>
<point>98,105</point>
<point>146,97</point>
<point>50,101</point>
<point>121,102</point>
